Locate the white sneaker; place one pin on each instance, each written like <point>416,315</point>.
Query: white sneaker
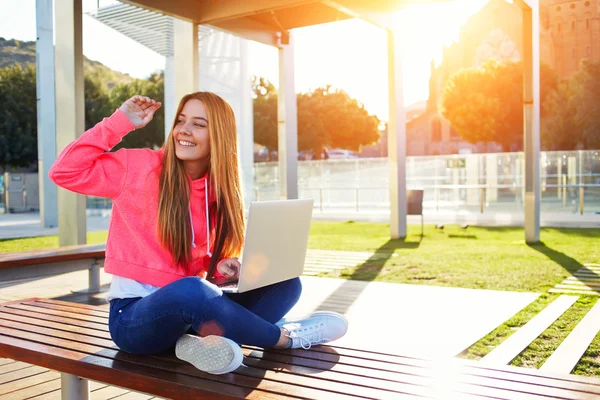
<point>213,354</point>
<point>319,328</point>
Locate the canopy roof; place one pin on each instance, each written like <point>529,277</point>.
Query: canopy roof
<point>268,21</point>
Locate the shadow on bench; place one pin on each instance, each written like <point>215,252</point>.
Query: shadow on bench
<point>73,339</point>
<point>48,262</point>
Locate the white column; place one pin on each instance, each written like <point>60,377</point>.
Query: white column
<point>69,112</point>
<point>396,138</point>
<point>287,123</point>
<point>170,104</point>
<point>531,109</point>
<point>46,112</point>
<point>246,125</point>
<point>185,46</point>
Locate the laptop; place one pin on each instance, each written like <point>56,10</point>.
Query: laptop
<point>275,245</point>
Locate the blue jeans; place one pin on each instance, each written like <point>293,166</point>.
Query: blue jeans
<point>153,324</point>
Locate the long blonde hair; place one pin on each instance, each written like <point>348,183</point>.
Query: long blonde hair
<point>174,229</point>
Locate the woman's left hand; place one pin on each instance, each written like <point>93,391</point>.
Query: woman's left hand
<point>229,267</point>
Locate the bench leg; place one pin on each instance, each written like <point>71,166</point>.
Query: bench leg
<point>93,280</point>
<point>74,387</point>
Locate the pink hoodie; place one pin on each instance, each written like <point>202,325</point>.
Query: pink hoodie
<point>130,178</point>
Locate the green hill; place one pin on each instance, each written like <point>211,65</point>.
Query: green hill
<point>18,52</point>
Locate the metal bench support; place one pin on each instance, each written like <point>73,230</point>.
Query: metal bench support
<point>74,387</point>
<point>93,280</point>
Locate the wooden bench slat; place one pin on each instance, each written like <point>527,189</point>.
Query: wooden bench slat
<point>67,336</point>
<point>465,367</point>
<point>464,383</point>
<point>87,344</point>
<point>249,383</point>
<point>44,256</point>
<point>75,338</point>
<point>80,312</point>
<point>137,377</point>
<point>370,355</point>
<point>50,311</point>
<point>313,383</point>
<point>103,308</point>
<point>56,325</point>
<point>33,326</point>
<point>55,318</point>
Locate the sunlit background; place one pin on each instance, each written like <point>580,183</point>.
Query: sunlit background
<point>349,54</point>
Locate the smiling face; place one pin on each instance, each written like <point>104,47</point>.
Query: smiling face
<point>190,134</point>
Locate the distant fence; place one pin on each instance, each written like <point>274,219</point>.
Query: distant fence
<point>569,181</point>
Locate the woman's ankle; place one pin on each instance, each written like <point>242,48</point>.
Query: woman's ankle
<point>284,339</point>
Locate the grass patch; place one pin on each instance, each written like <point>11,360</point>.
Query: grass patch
<point>480,258</point>
<point>486,344</point>
<point>540,349</point>
<point>45,242</point>
<point>590,362</point>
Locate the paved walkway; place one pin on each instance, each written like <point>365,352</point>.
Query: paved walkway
<point>585,281</point>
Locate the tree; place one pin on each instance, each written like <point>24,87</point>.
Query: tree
<point>153,134</point>
<point>327,117</point>
<point>573,120</point>
<point>265,113</point>
<point>18,121</point>
<point>588,110</point>
<point>486,104</point>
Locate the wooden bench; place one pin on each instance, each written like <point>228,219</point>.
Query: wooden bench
<point>73,339</point>
<point>47,262</point>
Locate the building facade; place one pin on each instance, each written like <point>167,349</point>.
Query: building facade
<point>569,33</point>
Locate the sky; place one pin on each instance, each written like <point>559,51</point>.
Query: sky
<point>350,55</point>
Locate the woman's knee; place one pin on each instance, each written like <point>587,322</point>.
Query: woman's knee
<point>194,287</point>
<point>293,287</point>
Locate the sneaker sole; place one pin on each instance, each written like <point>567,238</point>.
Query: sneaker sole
<point>212,354</point>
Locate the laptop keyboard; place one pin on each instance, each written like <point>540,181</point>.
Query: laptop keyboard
<point>229,286</point>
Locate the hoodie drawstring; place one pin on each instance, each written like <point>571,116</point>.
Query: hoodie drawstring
<point>207,218</point>
<point>208,252</point>
<point>192,225</point>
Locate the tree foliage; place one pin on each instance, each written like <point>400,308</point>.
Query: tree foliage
<point>265,112</point>
<point>327,118</point>
<point>573,120</point>
<point>18,118</point>
<point>486,104</point>
<point>18,121</point>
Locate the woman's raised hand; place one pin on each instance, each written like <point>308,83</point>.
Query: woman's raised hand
<point>140,110</point>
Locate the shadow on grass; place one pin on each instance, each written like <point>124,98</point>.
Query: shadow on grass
<point>568,263</point>
<point>345,295</point>
<point>459,236</point>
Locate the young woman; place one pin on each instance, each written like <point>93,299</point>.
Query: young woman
<point>178,222</point>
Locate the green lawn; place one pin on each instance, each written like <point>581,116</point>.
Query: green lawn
<point>482,258</point>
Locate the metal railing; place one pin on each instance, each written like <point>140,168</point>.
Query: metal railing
<point>555,197</point>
